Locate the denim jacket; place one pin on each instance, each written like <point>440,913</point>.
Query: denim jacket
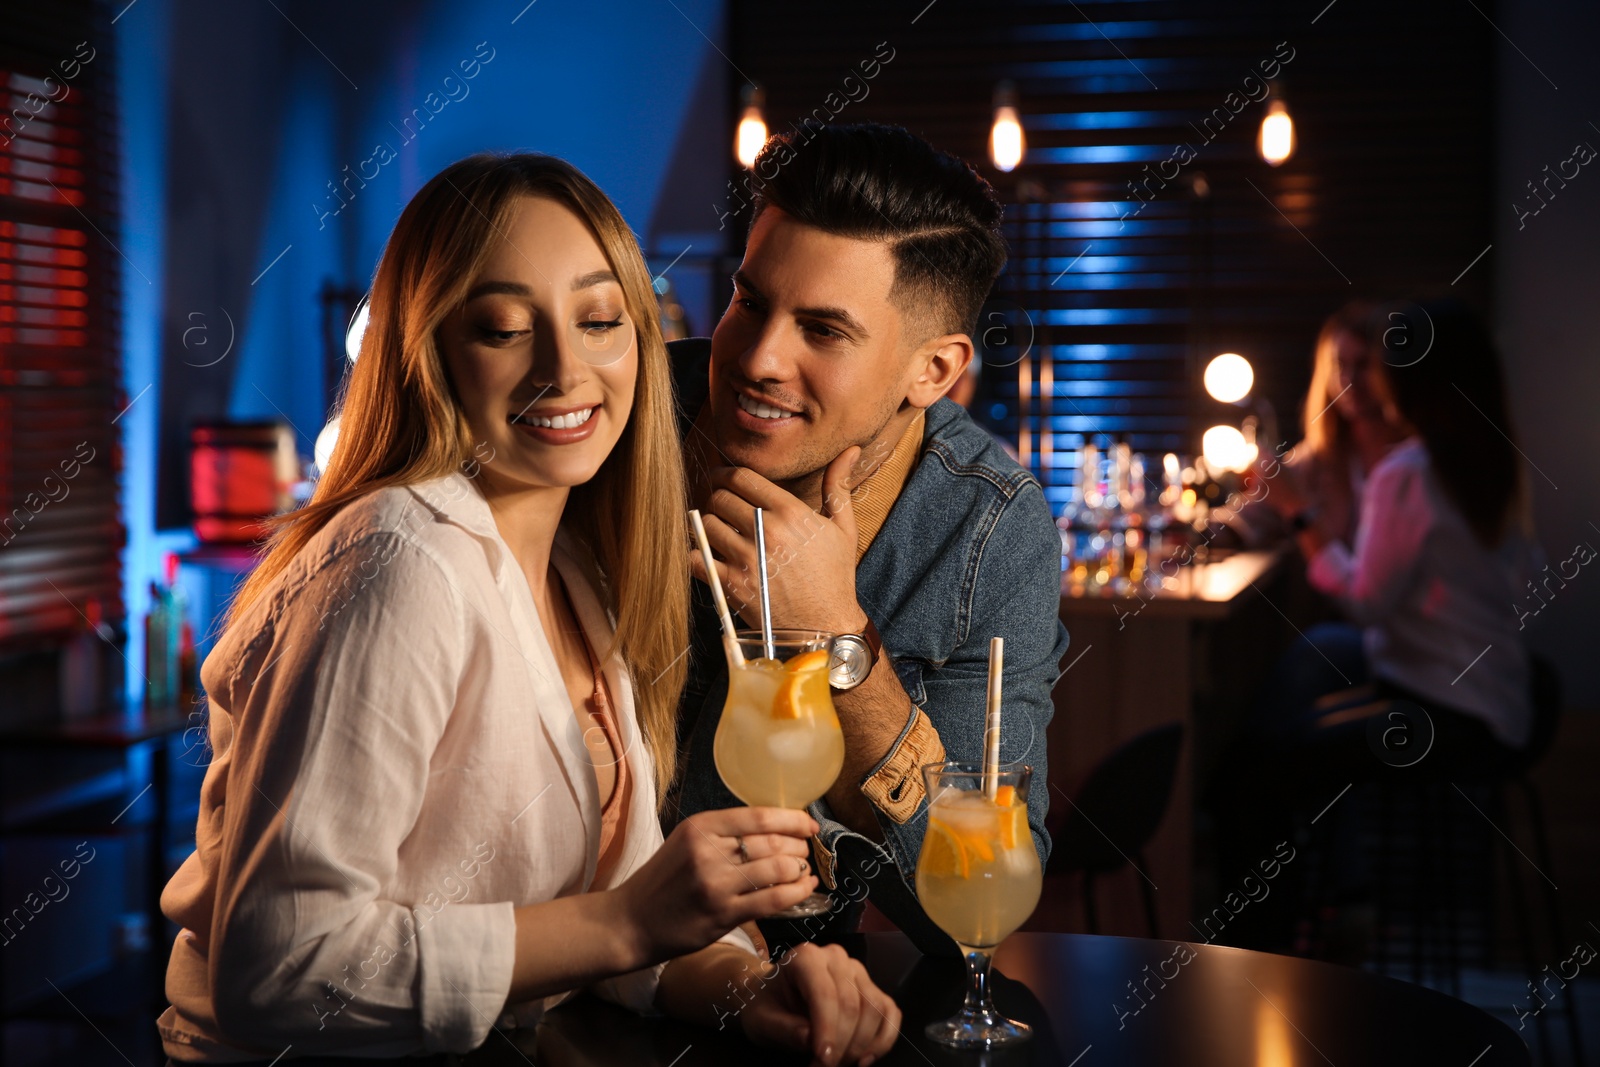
<point>968,552</point>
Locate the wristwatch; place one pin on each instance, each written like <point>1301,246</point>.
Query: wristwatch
<point>853,657</point>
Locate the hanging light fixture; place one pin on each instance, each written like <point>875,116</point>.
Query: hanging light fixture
<point>1276,141</point>
<point>1006,142</point>
<point>752,127</point>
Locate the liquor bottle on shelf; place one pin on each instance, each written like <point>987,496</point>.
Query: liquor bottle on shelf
<point>1136,532</point>
<point>1070,523</point>
<point>1115,518</point>
<point>1078,520</point>
<point>163,640</point>
<point>1096,519</point>
<point>185,680</point>
<point>160,651</point>
<point>83,690</point>
<point>1164,534</point>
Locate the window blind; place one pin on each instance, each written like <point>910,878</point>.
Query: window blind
<point>60,329</point>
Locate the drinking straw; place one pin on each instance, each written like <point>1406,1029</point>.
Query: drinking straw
<point>991,731</point>
<point>766,605</point>
<point>729,635</point>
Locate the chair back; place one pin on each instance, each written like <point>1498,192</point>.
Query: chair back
<point>1120,806</point>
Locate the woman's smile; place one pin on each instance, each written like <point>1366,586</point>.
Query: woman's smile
<point>559,426</point>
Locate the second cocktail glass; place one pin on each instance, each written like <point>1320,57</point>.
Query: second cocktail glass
<point>978,878</point>
<point>778,743</point>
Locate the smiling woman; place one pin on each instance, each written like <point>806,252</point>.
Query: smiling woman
<point>544,358</point>
<point>450,269</point>
<point>439,652</point>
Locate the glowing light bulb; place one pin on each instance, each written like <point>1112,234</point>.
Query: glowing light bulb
<point>1006,143</point>
<point>1225,449</point>
<point>357,330</point>
<point>752,132</point>
<point>1276,141</point>
<point>322,451</point>
<point>1229,378</point>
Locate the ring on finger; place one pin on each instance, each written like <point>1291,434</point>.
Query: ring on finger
<point>744,853</point>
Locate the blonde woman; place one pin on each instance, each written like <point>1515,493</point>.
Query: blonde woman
<point>1345,431</point>
<point>443,705</point>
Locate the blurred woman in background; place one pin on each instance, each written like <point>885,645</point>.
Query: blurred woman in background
<point>1345,431</point>
<point>1442,547</point>
<point>1439,557</point>
<point>1346,436</point>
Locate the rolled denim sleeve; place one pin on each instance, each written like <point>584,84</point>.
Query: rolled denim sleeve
<point>895,787</point>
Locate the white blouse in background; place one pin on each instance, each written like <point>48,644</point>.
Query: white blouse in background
<point>396,766</point>
<point>1439,609</point>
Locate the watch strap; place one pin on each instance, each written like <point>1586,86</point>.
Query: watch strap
<point>869,634</point>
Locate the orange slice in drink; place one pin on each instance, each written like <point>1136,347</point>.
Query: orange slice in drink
<point>814,660</point>
<point>796,693</point>
<point>943,853</point>
<point>979,845</point>
<point>1013,826</point>
<point>1013,818</point>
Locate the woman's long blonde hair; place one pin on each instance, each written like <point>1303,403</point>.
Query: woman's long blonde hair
<point>1328,441</point>
<point>400,423</point>
<point>1326,434</point>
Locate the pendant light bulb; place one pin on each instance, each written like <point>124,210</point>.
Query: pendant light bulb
<point>752,132</point>
<point>1007,145</point>
<point>1276,141</point>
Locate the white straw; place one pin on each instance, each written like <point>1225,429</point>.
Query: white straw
<point>991,730</point>
<point>766,605</point>
<point>729,634</point>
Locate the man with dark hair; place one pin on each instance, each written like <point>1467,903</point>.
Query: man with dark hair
<point>889,516</point>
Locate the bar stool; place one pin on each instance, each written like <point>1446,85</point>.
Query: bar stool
<point>1421,825</point>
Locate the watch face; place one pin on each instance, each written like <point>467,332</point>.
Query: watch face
<point>849,663</point>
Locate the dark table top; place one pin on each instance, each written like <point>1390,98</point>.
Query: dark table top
<point>1217,1006</point>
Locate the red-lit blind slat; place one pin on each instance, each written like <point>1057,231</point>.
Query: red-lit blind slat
<point>60,360</point>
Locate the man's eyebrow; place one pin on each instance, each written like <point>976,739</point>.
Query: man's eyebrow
<point>742,280</point>
<point>831,314</point>
<point>582,281</point>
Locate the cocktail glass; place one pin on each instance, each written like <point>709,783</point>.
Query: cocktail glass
<point>778,743</point>
<point>978,878</point>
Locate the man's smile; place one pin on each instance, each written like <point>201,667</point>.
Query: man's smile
<point>761,409</point>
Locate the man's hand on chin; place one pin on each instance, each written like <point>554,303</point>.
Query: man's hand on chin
<point>811,558</point>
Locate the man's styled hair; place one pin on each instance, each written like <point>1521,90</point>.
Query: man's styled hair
<point>881,183</point>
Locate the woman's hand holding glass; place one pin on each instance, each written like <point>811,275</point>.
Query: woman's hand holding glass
<point>700,884</point>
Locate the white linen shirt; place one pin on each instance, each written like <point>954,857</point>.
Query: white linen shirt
<point>1435,603</point>
<point>396,767</point>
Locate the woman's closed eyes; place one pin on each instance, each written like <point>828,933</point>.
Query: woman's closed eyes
<point>502,334</point>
